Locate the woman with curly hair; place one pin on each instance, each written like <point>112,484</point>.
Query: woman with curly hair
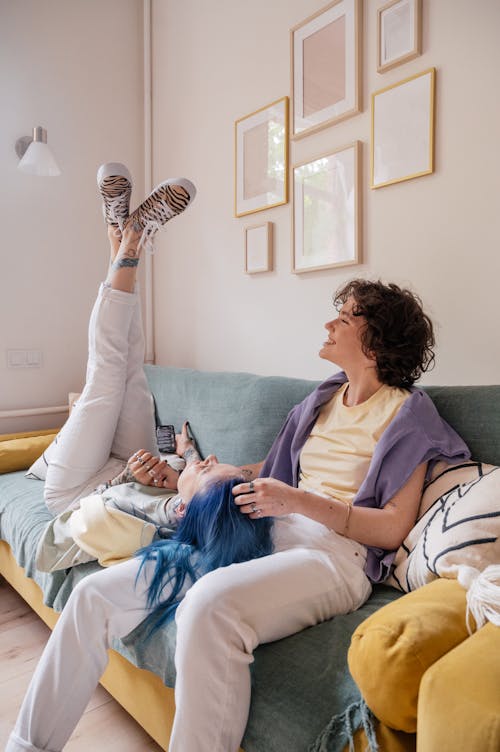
<point>339,490</point>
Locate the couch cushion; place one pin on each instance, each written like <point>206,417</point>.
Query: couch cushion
<point>473,412</point>
<point>235,415</point>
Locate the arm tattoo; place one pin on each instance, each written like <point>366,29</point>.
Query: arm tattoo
<point>191,455</point>
<point>126,476</point>
<point>247,473</point>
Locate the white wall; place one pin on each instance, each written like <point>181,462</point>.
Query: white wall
<point>76,68</point>
<point>217,61</point>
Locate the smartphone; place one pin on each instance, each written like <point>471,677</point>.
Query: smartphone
<point>165,436</point>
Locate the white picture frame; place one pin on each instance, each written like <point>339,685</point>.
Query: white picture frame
<point>402,130</point>
<point>326,217</point>
<point>399,33</point>
<point>259,248</point>
<point>261,159</point>
<point>326,67</point>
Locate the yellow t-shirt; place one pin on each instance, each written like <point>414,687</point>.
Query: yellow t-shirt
<point>335,458</point>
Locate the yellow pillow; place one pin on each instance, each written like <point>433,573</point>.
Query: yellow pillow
<point>392,649</point>
<point>459,702</point>
<point>20,452</point>
<point>27,434</point>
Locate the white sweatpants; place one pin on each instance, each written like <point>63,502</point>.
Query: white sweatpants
<point>221,620</point>
<point>114,416</point>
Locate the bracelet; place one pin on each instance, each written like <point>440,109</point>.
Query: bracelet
<point>349,510</point>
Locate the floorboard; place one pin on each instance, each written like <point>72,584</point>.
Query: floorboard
<point>104,726</point>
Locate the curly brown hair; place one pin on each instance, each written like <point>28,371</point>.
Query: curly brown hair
<point>397,330</point>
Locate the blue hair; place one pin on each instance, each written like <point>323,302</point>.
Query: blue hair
<point>213,533</point>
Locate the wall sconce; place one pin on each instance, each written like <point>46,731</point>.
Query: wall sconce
<point>36,157</point>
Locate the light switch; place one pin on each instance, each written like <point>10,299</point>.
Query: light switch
<point>24,358</point>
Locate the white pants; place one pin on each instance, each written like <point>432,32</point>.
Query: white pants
<point>114,415</point>
<point>222,619</point>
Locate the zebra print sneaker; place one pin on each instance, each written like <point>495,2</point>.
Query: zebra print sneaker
<point>168,199</point>
<point>115,186</point>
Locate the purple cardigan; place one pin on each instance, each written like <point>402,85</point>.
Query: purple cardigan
<point>417,434</point>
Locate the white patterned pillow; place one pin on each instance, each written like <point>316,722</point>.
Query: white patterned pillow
<point>458,523</point>
<point>38,470</point>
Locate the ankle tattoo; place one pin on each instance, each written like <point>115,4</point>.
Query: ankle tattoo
<point>124,263</point>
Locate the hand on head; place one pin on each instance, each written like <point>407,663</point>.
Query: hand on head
<point>264,497</point>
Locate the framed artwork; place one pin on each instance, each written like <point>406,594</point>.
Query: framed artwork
<point>399,33</point>
<point>259,248</point>
<point>402,138</point>
<point>261,159</point>
<point>326,67</point>
<point>327,211</point>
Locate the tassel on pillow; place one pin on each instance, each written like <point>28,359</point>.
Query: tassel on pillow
<point>483,594</point>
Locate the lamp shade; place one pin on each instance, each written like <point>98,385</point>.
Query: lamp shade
<point>38,158</point>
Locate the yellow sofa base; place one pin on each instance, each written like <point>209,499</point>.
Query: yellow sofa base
<point>141,693</point>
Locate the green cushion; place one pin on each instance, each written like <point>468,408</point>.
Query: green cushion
<point>473,412</point>
<point>234,415</point>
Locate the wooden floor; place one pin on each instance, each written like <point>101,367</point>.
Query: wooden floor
<point>105,726</point>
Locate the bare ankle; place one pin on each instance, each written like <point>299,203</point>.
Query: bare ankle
<point>114,237</point>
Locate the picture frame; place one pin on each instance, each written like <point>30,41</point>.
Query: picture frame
<point>402,130</point>
<point>259,248</point>
<point>261,158</point>
<point>326,217</point>
<point>326,67</point>
<point>399,33</point>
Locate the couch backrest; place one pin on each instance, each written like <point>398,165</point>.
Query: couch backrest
<point>474,413</point>
<point>237,415</point>
<point>234,415</point>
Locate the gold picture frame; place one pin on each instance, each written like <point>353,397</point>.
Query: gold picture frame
<point>259,248</point>
<point>326,216</point>
<point>402,130</point>
<point>399,33</point>
<point>261,158</point>
<point>326,67</point>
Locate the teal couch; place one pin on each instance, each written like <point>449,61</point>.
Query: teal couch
<point>303,695</point>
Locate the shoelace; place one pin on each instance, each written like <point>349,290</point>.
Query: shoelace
<point>150,229</point>
<point>483,594</point>
<point>152,226</point>
<point>117,209</point>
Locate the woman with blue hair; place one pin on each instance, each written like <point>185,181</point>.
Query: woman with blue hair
<point>256,559</point>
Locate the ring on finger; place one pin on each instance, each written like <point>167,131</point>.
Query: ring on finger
<point>254,508</point>
<point>251,487</point>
